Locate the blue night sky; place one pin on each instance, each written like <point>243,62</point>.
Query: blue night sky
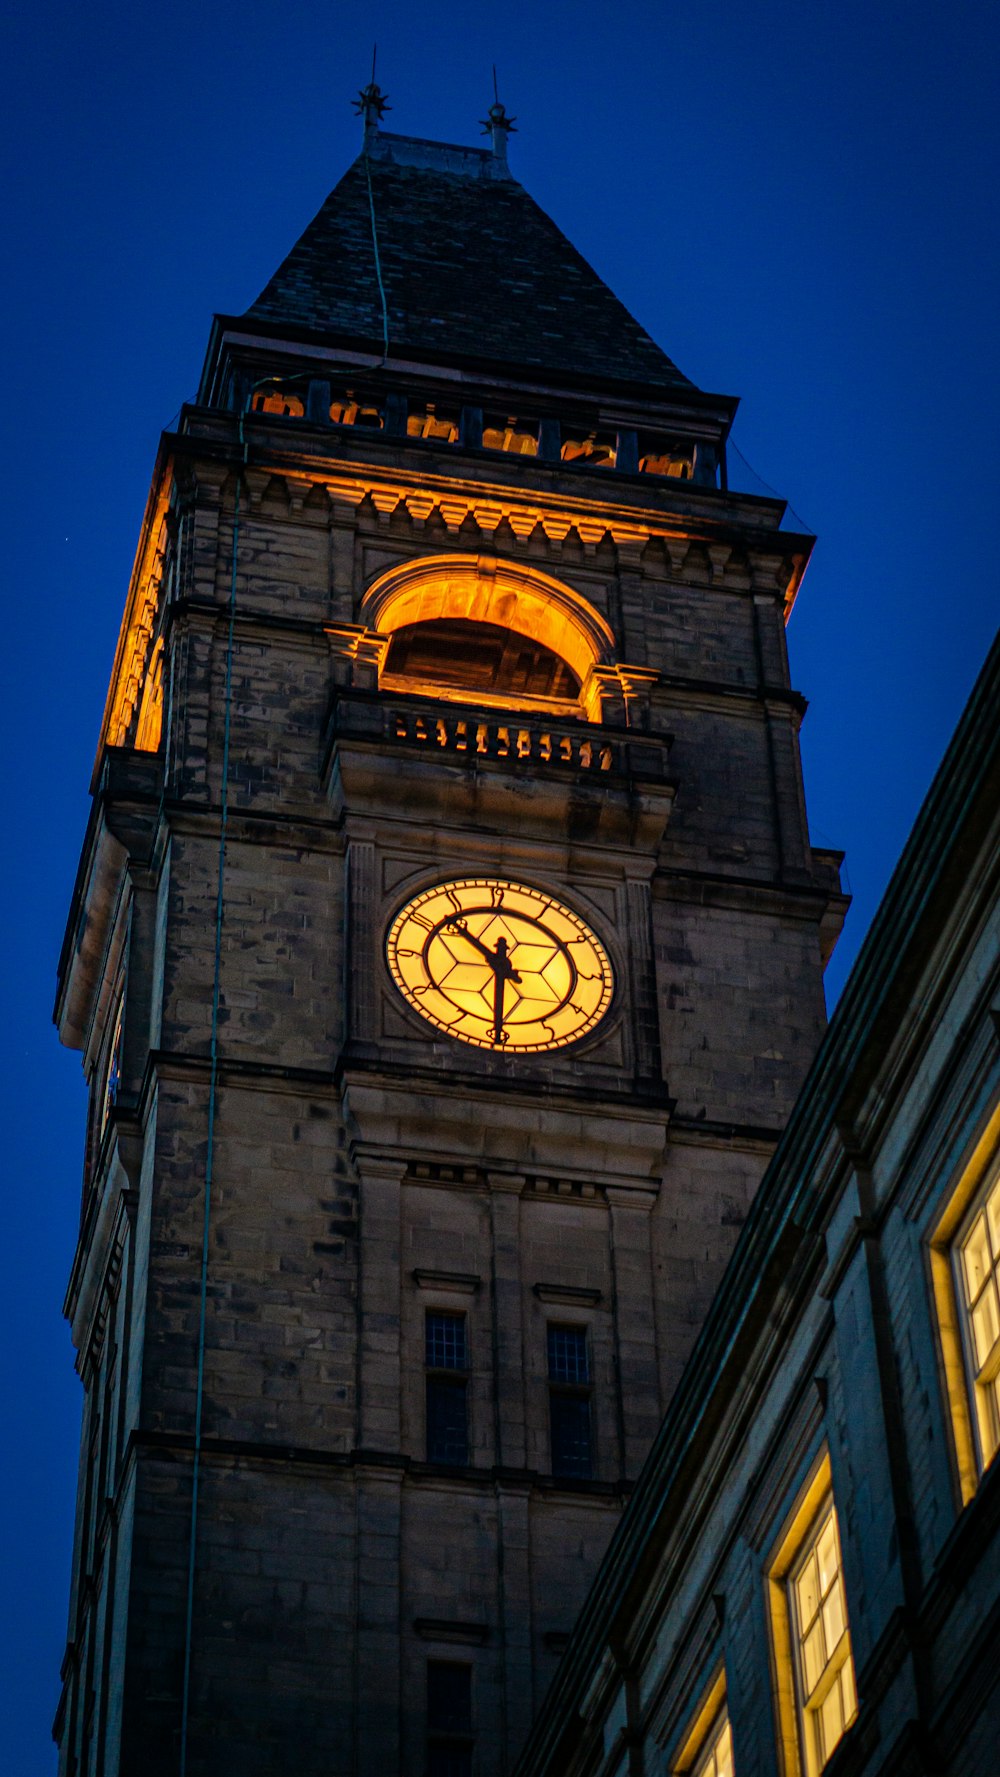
<point>795,200</point>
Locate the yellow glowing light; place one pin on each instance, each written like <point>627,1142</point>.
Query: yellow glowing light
<point>499,965</point>
<point>480,590</point>
<point>149,726</point>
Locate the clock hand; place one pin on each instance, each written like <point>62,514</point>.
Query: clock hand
<point>501,967</point>
<point>502,973</point>
<point>498,987</point>
<point>471,938</point>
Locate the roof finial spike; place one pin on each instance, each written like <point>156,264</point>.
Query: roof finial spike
<point>497,124</point>
<point>372,103</point>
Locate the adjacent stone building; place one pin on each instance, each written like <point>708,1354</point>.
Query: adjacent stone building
<point>808,1575</point>
<point>446,959</point>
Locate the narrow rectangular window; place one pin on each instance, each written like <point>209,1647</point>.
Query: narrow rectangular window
<point>716,1757</point>
<point>977,1263</point>
<point>821,1642</point>
<point>450,1738</point>
<point>707,1747</point>
<point>446,1388</point>
<point>569,1402</point>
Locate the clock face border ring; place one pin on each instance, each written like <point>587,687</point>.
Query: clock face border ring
<point>489,961</point>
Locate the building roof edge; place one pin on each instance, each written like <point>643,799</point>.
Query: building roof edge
<point>782,1207</point>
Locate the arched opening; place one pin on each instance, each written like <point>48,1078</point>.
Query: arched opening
<point>470,628</point>
<point>480,657</point>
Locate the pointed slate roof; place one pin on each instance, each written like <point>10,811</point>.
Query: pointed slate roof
<point>472,269</point>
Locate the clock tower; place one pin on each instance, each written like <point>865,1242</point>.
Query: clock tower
<point>446,955</point>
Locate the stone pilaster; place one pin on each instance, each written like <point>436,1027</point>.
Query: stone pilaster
<point>635,1328</point>
<point>508,1342</point>
<point>378,1669</point>
<point>378,1359</point>
<point>360,918</point>
<point>514,1586</point>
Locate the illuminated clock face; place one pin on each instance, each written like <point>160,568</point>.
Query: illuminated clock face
<point>499,965</point>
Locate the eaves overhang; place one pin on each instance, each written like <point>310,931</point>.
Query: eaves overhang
<point>365,353</point>
<point>139,592</point>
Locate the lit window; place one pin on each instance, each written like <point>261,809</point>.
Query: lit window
<point>273,399</point>
<point>569,1402</point>
<point>449,1719</point>
<point>433,422</point>
<point>348,410</point>
<point>446,1393</point>
<point>977,1263</point>
<point>482,658</point>
<point>510,434</point>
<point>716,1757</point>
<point>707,1747</point>
<point>824,1668</point>
<point>598,452</point>
<point>658,461</point>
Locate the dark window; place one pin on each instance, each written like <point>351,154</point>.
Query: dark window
<point>449,1719</point>
<point>569,1402</point>
<point>447,1421</point>
<point>569,1359</point>
<point>445,1342</point>
<point>479,657</point>
<point>447,1360</point>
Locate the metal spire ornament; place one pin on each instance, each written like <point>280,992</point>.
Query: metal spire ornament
<point>497,124</point>
<point>372,103</point>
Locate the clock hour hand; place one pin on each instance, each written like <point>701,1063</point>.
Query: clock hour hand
<point>503,971</point>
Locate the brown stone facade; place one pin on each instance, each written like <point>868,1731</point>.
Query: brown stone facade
<point>366,1170</point>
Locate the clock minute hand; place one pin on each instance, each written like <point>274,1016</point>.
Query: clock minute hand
<point>471,938</point>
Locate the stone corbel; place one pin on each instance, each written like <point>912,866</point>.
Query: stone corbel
<point>637,684</point>
<point>357,655</point>
<point>618,695</point>
<point>206,482</point>
<point>257,482</point>
<point>677,552</point>
<point>765,571</point>
<point>602,696</point>
<point>718,555</point>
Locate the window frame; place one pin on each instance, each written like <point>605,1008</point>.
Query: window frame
<point>453,1376</point>
<point>958,1379</point>
<point>461,1738</point>
<point>570,1390</point>
<point>796,1721</point>
<point>705,1730</point>
<point>981,1379</point>
<point>811,1702</point>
